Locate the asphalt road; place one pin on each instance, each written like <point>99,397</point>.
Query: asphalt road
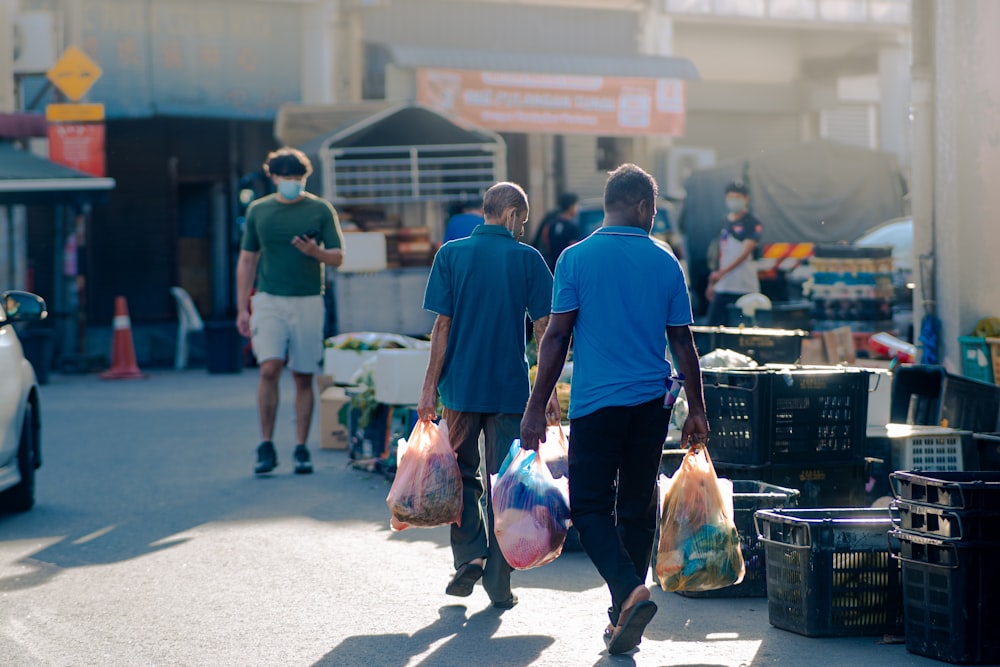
<point>153,544</point>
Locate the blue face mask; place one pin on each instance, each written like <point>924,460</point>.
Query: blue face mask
<point>290,189</point>
<point>735,205</point>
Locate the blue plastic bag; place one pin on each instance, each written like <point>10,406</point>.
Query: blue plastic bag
<point>530,509</point>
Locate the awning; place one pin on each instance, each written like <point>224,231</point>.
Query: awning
<point>403,153</point>
<point>653,67</point>
<point>26,178</point>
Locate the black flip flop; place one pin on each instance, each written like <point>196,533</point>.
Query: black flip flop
<point>628,634</point>
<point>464,581</point>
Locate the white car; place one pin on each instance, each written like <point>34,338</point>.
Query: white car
<point>20,420</point>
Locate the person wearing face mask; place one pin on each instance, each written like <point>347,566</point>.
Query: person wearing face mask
<point>481,287</point>
<point>737,274</point>
<point>290,236</point>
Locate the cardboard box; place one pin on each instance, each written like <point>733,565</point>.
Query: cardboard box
<point>399,376</point>
<point>343,364</point>
<point>332,431</point>
<point>323,382</point>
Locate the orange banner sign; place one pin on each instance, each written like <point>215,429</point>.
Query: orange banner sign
<point>79,146</point>
<point>594,105</point>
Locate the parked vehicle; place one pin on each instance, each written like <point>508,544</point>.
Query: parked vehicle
<point>897,233</point>
<point>20,418</point>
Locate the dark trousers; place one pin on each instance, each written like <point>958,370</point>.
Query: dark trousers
<point>614,458</point>
<point>474,538</point>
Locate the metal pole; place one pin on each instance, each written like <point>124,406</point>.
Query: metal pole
<point>8,93</point>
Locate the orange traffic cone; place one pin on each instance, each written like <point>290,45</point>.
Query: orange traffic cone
<point>123,365</point>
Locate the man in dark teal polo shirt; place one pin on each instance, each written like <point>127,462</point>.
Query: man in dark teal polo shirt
<point>481,287</point>
<point>621,295</point>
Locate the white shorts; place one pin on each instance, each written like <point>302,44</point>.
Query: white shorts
<point>288,326</point>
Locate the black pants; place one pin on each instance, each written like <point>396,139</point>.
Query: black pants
<point>475,538</point>
<point>614,458</point>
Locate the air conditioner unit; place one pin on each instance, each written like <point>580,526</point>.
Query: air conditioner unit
<point>34,42</point>
<point>681,161</point>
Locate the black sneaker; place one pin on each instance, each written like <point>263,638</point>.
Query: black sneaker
<point>267,458</point>
<point>303,465</point>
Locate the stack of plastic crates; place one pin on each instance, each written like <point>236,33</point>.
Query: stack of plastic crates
<point>748,497</point>
<point>797,427</point>
<point>830,572</point>
<point>949,543</point>
<point>852,286</point>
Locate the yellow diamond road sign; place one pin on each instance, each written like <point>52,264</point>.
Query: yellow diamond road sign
<point>74,74</point>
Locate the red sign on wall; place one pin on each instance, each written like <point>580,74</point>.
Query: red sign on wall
<point>78,146</point>
<point>594,105</point>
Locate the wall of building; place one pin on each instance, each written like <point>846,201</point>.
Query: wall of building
<point>966,167</point>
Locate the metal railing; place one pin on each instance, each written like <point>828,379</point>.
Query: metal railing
<point>883,12</point>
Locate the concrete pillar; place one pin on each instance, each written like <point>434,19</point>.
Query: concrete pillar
<point>966,166</point>
<point>894,98</point>
<point>656,38</point>
<point>318,52</point>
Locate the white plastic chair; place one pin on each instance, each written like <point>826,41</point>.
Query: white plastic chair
<point>188,320</point>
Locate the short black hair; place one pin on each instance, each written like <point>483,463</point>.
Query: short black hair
<point>628,185</point>
<point>739,187</point>
<point>567,200</point>
<point>287,162</point>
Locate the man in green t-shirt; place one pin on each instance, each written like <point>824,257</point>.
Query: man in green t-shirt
<point>289,236</point>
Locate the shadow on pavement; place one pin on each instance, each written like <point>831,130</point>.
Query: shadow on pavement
<point>475,638</point>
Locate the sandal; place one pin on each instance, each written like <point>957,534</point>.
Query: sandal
<point>633,621</point>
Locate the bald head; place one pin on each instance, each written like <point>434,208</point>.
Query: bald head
<point>505,204</point>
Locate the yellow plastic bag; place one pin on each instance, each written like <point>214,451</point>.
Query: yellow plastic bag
<point>427,489</point>
<point>699,548</point>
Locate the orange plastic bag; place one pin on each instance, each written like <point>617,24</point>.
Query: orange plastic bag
<point>427,489</point>
<point>555,451</point>
<point>699,548</point>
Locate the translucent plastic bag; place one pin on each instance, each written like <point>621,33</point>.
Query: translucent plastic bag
<point>555,451</point>
<point>530,509</point>
<point>699,547</point>
<point>427,489</point>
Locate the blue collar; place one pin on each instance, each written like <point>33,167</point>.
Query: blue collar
<point>495,230</point>
<point>622,230</point>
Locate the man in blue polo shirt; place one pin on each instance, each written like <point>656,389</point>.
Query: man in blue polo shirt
<point>621,295</point>
<point>481,287</point>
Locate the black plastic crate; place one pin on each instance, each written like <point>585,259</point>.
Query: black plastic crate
<point>969,490</point>
<point>748,497</point>
<point>842,250</point>
<point>961,525</point>
<point>931,395</point>
<point>765,346</point>
<point>819,485</point>
<point>988,445</point>
<point>852,309</point>
<point>950,602</point>
<point>789,315</point>
<point>830,572</point>
<point>786,414</point>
